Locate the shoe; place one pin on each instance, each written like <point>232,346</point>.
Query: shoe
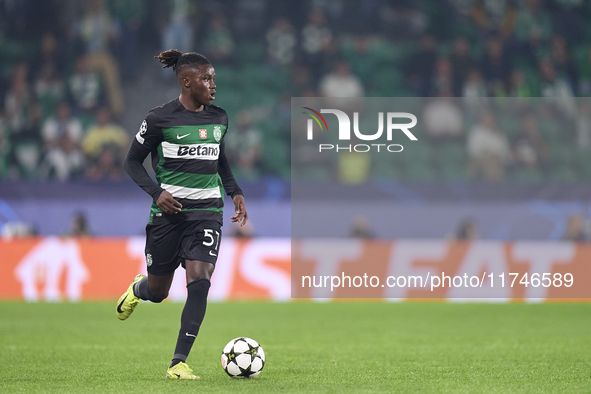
<point>128,301</point>
<point>181,371</point>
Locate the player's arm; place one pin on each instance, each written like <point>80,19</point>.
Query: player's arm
<point>231,187</point>
<point>145,140</point>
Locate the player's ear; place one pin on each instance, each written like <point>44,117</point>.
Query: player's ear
<point>186,82</point>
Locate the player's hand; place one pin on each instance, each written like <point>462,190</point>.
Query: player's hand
<point>240,209</point>
<point>168,204</point>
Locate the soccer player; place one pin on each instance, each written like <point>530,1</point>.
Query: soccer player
<point>186,139</point>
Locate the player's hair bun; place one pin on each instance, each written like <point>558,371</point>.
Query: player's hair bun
<point>169,58</point>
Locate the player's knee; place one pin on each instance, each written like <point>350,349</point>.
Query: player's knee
<point>157,297</point>
<point>197,270</point>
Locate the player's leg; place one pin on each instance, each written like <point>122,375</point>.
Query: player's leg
<point>154,287</point>
<point>151,288</point>
<point>198,282</point>
<point>199,249</point>
<point>162,247</point>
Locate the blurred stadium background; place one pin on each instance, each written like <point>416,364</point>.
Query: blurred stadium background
<point>78,77</point>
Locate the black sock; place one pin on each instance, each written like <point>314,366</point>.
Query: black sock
<point>191,318</point>
<point>175,361</point>
<point>141,290</point>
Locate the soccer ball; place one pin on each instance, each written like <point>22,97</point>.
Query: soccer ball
<point>243,358</point>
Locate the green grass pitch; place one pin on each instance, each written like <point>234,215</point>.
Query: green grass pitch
<point>310,347</point>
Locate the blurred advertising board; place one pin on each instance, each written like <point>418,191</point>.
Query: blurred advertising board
<point>75,269</point>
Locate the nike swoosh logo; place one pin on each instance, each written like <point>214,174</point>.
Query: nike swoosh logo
<point>120,304</point>
<point>178,137</point>
<point>212,254</point>
<point>190,335</point>
<point>178,375</point>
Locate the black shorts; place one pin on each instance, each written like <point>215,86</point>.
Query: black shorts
<point>169,244</point>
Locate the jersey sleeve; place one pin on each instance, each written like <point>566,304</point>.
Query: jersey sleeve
<point>146,140</point>
<point>149,135</point>
<point>228,181</point>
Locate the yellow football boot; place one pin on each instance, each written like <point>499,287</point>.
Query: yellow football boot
<point>128,301</point>
<point>181,371</point>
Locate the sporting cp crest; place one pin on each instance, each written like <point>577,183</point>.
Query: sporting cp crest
<point>203,133</point>
<point>217,133</point>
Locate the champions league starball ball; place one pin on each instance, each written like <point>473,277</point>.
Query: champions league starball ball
<point>243,358</point>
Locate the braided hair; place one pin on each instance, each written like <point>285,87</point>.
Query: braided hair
<point>180,61</point>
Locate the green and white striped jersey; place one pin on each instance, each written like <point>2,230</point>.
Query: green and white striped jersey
<point>186,149</point>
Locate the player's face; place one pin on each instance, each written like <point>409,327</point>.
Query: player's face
<point>203,85</point>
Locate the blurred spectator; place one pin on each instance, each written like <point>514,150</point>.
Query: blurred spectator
<point>530,149</point>
<point>584,73</point>
<point>583,126</point>
<point>50,88</point>
<point>402,20</point>
<point>244,147</point>
<point>341,82</point>
<point>62,135</point>
<point>569,17</point>
<point>419,66</point>
<point>316,39</point>
<point>575,229</point>
<point>442,81</point>
<point>4,148</point>
<point>107,166</point>
<point>461,64</point>
<point>22,113</point>
<point>130,14</point>
<point>563,62</point>
<point>251,17</point>
<point>17,230</point>
<point>361,228</point>
<point>333,9</point>
<point>475,93</point>
<point>557,89</point>
<point>467,230</point>
<point>495,16</point>
<point>443,119</point>
<point>85,87</point>
<point>364,56</point>
<point>105,134</point>
<point>281,42</point>
<point>178,32</point>
<point>79,226</point>
<point>98,30</point>
<point>50,59</point>
<point>59,125</point>
<point>300,81</point>
<point>517,86</point>
<point>533,25</point>
<point>488,149</point>
<point>283,109</point>
<point>219,43</point>
<point>463,8</point>
<point>495,66</point>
